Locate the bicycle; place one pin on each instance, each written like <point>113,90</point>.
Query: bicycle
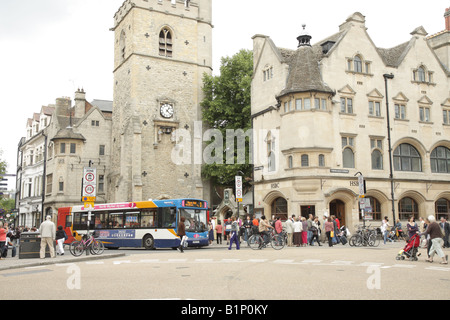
<point>256,241</point>
<point>365,237</point>
<point>87,242</point>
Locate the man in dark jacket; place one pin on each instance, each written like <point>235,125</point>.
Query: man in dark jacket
<point>445,226</point>
<point>181,232</point>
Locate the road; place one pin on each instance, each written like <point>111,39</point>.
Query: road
<point>219,274</point>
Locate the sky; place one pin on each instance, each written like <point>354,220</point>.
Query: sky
<point>50,48</point>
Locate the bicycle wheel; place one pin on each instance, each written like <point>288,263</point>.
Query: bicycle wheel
<point>373,240</point>
<point>77,248</point>
<point>358,240</point>
<point>97,247</point>
<point>255,242</point>
<point>277,242</point>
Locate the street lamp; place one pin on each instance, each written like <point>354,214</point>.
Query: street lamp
<point>391,175</point>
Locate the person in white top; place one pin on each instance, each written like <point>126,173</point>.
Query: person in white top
<point>384,228</point>
<point>48,234</point>
<point>290,230</point>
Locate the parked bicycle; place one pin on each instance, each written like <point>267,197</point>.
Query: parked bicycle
<point>256,241</point>
<point>365,236</point>
<point>88,242</point>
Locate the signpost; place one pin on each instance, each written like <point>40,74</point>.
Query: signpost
<point>89,182</point>
<point>89,187</point>
<point>239,195</point>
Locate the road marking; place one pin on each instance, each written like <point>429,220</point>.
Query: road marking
<point>231,260</point>
<point>204,260</point>
<point>95,262</point>
<point>257,260</point>
<point>283,261</point>
<point>149,260</point>
<point>122,262</point>
<point>312,261</point>
<point>406,266</point>
<point>438,269</point>
<point>177,260</point>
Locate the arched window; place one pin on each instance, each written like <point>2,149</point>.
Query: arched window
<point>407,158</point>
<point>421,74</point>
<point>407,207</point>
<point>165,43</point>
<point>348,158</point>
<point>440,160</point>
<point>377,160</point>
<point>357,64</point>
<point>376,209</point>
<point>442,208</point>
<point>280,208</point>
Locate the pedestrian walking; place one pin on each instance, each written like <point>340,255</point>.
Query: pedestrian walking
<point>434,230</point>
<point>48,235</point>
<point>278,225</point>
<point>329,229</point>
<point>384,228</point>
<point>315,232</point>
<point>290,230</point>
<point>445,228</point>
<point>219,231</point>
<point>210,232</point>
<point>181,232</point>
<point>60,238</point>
<point>247,228</point>
<point>298,228</point>
<point>304,232</point>
<point>412,227</point>
<point>234,233</point>
<point>3,233</point>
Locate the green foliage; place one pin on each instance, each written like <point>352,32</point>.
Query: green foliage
<point>227,105</point>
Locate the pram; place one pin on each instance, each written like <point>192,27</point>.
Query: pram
<point>411,249</point>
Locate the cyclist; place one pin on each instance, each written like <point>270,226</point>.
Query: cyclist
<point>264,226</point>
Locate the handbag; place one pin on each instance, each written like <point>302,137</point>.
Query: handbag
<point>332,234</point>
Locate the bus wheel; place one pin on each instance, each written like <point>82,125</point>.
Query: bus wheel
<point>149,243</point>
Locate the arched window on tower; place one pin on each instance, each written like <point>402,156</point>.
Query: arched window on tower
<point>165,43</point>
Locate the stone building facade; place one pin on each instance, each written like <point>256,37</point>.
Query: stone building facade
<point>162,49</point>
<point>60,142</point>
<point>320,117</point>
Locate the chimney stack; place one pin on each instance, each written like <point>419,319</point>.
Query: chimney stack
<point>447,19</point>
<point>80,103</point>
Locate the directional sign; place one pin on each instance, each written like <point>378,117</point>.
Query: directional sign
<point>89,182</point>
<point>361,186</point>
<point>239,194</point>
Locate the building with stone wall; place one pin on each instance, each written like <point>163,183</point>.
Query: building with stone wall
<point>320,117</point>
<point>162,49</point>
<point>60,142</point>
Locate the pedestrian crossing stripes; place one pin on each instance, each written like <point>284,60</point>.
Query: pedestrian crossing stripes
<point>314,262</point>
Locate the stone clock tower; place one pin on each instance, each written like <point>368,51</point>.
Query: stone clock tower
<point>162,48</point>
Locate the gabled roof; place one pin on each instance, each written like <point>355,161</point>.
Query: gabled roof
<point>393,57</point>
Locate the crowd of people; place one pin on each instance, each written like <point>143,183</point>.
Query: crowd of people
<point>300,231</point>
<point>10,238</point>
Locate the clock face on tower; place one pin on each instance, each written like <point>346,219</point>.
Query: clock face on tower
<point>166,110</point>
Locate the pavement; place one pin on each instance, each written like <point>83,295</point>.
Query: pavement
<point>16,263</point>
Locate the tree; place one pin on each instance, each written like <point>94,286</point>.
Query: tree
<point>3,165</point>
<point>227,106</point>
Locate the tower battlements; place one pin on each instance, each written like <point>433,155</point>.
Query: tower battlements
<point>199,10</point>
